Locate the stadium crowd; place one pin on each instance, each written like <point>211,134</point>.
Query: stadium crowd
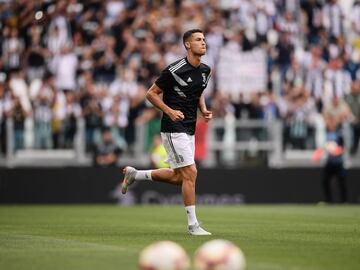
<point>62,60</point>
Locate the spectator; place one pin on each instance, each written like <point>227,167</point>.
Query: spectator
<point>287,23</point>
<point>334,164</point>
<point>72,113</point>
<point>12,48</point>
<point>264,13</point>
<point>300,118</point>
<point>93,115</point>
<point>64,67</point>
<point>313,11</point>
<point>106,153</point>
<point>270,107</point>
<point>3,114</point>
<point>59,113</point>
<point>285,51</point>
<point>314,79</point>
<point>158,154</point>
<point>18,115</point>
<point>333,16</point>
<point>35,56</point>
<point>353,99</point>
<point>88,43</point>
<point>355,17</point>
<point>19,88</point>
<point>338,79</point>
<point>337,111</point>
<point>43,115</point>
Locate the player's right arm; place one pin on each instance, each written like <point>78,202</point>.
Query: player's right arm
<point>153,95</point>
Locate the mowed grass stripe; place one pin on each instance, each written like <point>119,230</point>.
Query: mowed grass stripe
<point>16,242</point>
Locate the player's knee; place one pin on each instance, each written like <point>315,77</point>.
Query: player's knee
<point>193,171</point>
<point>189,173</point>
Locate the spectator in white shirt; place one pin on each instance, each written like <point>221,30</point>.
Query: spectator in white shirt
<point>55,41</point>
<point>314,78</point>
<point>333,16</point>
<point>64,67</point>
<point>337,79</point>
<point>287,23</point>
<point>264,13</point>
<point>12,48</point>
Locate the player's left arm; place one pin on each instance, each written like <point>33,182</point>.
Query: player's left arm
<point>203,109</point>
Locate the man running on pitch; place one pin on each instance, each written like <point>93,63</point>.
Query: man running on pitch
<point>182,84</point>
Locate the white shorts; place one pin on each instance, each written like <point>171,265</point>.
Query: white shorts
<point>180,149</point>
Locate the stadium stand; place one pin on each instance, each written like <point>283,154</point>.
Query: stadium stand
<point>281,70</point>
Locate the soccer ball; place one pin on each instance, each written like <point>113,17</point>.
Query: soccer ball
<point>219,255</point>
<point>164,255</point>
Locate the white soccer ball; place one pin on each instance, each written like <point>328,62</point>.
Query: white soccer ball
<point>219,255</point>
<point>164,255</point>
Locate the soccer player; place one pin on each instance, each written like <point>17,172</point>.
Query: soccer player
<point>182,84</point>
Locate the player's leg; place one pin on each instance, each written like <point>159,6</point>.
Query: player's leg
<point>170,176</point>
<point>183,149</point>
<point>188,175</point>
<point>131,175</point>
<point>326,181</point>
<point>341,175</point>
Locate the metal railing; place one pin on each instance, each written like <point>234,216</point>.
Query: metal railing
<point>28,156</point>
<point>229,145</point>
<point>228,139</point>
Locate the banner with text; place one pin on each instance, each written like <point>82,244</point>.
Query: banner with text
<point>241,72</point>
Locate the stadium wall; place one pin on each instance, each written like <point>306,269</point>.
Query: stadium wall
<point>215,186</point>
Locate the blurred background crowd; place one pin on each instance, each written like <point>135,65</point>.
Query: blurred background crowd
<point>68,59</point>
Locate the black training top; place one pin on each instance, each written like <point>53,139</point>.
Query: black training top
<point>182,85</point>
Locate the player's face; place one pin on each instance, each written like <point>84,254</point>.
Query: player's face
<point>197,44</point>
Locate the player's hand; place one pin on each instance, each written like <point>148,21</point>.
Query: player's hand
<point>207,115</point>
<point>176,115</point>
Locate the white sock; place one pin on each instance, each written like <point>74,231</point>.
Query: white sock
<point>191,215</point>
<point>143,175</point>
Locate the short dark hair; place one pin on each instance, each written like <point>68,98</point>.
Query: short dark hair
<point>188,34</point>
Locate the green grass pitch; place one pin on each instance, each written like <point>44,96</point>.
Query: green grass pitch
<point>272,237</point>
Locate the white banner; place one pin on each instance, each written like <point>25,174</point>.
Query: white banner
<point>241,72</point>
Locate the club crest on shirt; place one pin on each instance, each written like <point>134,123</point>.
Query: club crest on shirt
<point>204,79</point>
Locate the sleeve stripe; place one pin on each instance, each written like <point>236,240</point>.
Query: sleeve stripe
<point>177,66</point>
